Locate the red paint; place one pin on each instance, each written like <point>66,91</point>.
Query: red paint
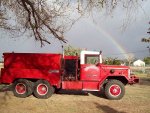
<point>32,61</point>
<point>90,85</point>
<point>10,74</point>
<point>90,72</point>
<point>77,85</point>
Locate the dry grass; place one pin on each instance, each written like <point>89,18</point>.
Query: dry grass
<point>1,65</point>
<point>136,100</point>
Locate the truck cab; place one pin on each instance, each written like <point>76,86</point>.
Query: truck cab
<point>83,67</point>
<point>90,70</point>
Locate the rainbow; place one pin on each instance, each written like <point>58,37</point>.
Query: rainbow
<point>109,37</point>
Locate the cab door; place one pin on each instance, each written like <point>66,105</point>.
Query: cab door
<point>90,72</point>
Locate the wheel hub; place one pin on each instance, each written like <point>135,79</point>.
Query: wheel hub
<point>115,90</point>
<point>42,89</point>
<point>20,88</point>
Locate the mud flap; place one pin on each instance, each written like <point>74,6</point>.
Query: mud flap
<point>6,88</point>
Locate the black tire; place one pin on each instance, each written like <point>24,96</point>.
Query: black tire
<point>102,90</point>
<point>57,90</point>
<point>43,89</point>
<point>114,90</point>
<point>31,85</point>
<point>22,88</point>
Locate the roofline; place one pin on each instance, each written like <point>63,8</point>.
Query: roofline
<point>83,53</point>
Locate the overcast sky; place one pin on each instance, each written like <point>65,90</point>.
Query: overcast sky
<point>101,33</point>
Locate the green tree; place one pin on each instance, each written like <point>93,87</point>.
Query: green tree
<point>148,38</point>
<point>112,61</point>
<point>72,51</point>
<point>147,60</point>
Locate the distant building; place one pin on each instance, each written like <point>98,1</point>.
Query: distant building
<point>139,63</point>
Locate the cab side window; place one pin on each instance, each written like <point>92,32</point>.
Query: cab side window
<point>91,59</point>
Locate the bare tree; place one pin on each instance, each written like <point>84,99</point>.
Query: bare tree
<point>130,59</point>
<point>38,16</point>
<point>52,17</point>
<point>147,39</point>
<point>149,29</point>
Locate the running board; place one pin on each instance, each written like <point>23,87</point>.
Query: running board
<point>90,90</point>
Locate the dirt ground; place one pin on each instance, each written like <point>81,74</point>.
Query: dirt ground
<point>136,100</point>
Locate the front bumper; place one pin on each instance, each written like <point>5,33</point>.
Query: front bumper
<point>134,79</point>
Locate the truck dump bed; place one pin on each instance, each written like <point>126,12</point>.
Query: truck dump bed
<point>31,66</point>
<point>32,61</point>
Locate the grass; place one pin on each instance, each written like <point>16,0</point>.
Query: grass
<point>136,100</point>
<point>1,86</point>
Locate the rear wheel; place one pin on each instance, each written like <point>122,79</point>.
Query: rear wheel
<point>22,88</point>
<point>43,89</point>
<point>114,90</point>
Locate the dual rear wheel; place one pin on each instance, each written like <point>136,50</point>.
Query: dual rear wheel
<point>40,89</point>
<point>43,89</point>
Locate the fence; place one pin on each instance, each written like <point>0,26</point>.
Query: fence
<point>142,70</point>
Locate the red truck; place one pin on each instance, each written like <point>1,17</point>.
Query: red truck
<point>42,74</point>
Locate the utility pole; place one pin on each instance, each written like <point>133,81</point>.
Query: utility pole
<point>148,49</point>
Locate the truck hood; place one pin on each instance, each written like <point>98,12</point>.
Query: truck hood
<point>121,70</point>
<point>116,70</point>
<point>114,67</point>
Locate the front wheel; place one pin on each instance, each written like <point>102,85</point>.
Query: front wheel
<point>43,89</point>
<point>114,90</point>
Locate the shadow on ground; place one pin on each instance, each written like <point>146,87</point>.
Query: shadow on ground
<point>98,94</point>
<point>72,92</point>
<point>145,81</point>
<point>107,109</point>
